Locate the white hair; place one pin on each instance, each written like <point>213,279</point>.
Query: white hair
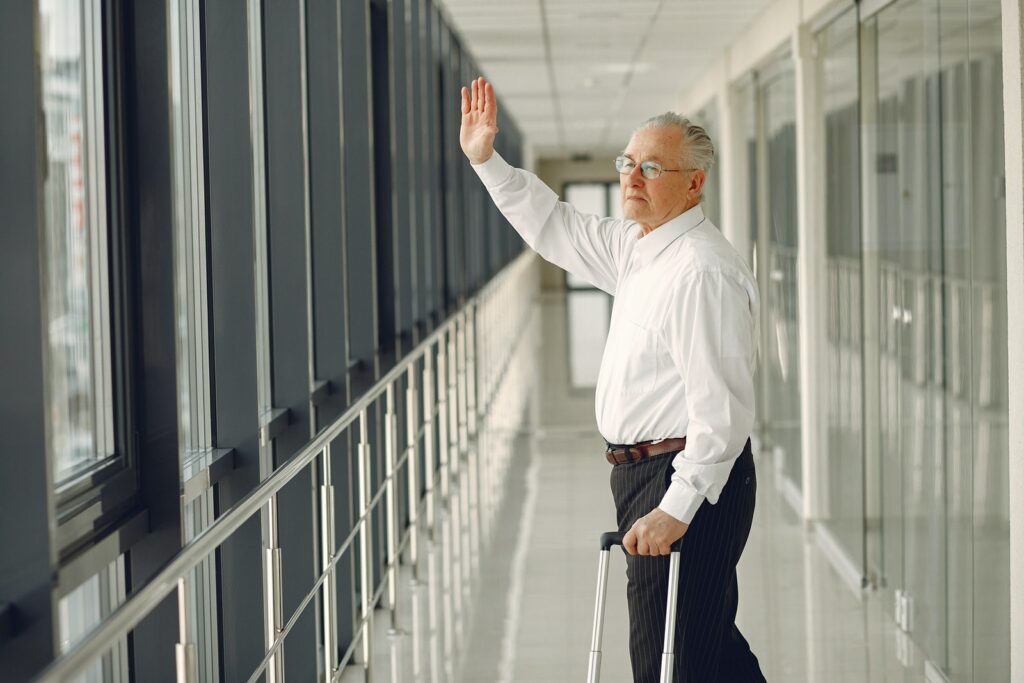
<point>698,150</point>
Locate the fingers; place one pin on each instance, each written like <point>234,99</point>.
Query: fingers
<point>629,542</point>
<point>479,97</point>
<point>490,103</point>
<point>641,540</point>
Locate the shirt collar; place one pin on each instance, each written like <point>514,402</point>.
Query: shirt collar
<point>653,243</point>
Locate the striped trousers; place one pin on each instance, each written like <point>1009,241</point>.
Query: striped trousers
<point>708,647</point>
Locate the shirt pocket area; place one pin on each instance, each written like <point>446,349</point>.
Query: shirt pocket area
<point>640,370</point>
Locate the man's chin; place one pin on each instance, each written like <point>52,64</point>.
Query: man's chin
<point>632,215</point>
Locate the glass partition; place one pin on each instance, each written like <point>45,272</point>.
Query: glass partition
<point>837,193</point>
<point>934,304</point>
<point>778,243</point>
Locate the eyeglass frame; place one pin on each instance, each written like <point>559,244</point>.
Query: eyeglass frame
<point>648,164</point>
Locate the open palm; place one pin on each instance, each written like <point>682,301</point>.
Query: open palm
<point>479,121</point>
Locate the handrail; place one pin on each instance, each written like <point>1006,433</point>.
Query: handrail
<point>104,635</point>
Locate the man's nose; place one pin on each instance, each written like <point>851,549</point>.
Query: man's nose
<point>636,176</point>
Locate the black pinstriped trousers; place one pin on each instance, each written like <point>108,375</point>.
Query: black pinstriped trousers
<point>709,647</point>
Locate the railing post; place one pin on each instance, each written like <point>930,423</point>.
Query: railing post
<point>365,564</point>
<point>462,379</point>
<point>471,381</point>
<point>443,417</point>
<point>453,399</point>
<point>327,550</point>
<point>185,649</point>
<point>412,434</point>
<point>272,592</point>
<point>428,435</point>
<point>390,503</point>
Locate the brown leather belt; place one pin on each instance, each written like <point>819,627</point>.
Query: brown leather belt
<point>642,450</point>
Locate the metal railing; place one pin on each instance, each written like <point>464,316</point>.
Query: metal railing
<point>471,351</point>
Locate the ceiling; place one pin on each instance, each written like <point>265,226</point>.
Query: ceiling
<point>579,75</point>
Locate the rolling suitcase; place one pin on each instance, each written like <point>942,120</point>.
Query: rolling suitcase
<point>608,539</point>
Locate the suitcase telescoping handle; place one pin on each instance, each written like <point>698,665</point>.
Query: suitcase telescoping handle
<point>608,539</point>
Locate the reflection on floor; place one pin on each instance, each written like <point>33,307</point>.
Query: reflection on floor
<point>519,604</point>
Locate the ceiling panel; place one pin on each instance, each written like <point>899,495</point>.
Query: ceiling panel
<point>614,62</point>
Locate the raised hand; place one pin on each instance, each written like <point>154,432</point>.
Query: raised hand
<point>479,121</point>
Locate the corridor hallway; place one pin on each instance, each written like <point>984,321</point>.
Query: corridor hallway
<point>518,604</point>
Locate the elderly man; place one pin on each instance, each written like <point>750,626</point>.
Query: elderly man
<point>675,393</point>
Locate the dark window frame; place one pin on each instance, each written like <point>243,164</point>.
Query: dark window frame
<point>90,502</point>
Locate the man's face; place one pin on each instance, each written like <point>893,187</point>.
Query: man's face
<point>654,202</point>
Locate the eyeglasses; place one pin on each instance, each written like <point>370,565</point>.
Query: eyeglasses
<point>649,169</point>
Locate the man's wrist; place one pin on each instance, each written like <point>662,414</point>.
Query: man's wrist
<point>494,171</point>
<point>681,502</point>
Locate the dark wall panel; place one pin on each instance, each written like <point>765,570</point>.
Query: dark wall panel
<point>233,311</point>
<point>149,218</point>
<point>360,251</point>
<point>25,564</point>
<point>384,173</point>
<point>327,211</point>
<point>289,323</point>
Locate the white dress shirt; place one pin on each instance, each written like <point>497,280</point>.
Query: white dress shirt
<point>682,344</point>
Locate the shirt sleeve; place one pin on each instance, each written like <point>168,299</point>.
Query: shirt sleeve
<point>589,247</point>
<point>711,329</point>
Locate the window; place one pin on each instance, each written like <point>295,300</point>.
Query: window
<point>77,318</point>
<point>601,199</point>
<point>87,400</point>
<point>588,308</point>
<point>86,606</point>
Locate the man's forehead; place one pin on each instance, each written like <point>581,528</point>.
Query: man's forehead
<point>653,144</point>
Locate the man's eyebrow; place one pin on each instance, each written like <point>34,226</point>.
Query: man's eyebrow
<point>629,155</point>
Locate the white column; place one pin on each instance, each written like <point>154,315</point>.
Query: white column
<point>811,277</point>
<point>732,197</point>
<point>734,174</point>
<point>1013,104</point>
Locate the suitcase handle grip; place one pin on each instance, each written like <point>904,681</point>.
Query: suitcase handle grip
<point>610,538</point>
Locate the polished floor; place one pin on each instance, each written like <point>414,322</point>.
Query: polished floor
<point>506,587</point>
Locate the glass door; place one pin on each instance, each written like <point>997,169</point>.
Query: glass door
<point>934,287</point>
<point>905,259</point>
<point>838,192</point>
<point>777,241</point>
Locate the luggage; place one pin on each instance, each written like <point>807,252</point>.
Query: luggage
<point>608,539</point>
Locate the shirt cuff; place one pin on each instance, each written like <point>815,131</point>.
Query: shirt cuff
<point>681,501</point>
<point>493,172</point>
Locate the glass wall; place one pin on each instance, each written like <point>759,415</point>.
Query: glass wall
<point>837,190</point>
<point>743,111</point>
<point>979,503</point>
<point>934,288</point>
<point>778,243</point>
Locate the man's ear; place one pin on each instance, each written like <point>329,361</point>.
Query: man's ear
<point>697,181</point>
